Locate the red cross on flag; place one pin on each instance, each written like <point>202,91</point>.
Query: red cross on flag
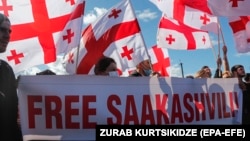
<point>116,34</point>
<point>196,17</point>
<point>160,60</point>
<point>41,29</point>
<point>229,7</point>
<point>176,35</point>
<point>241,32</point>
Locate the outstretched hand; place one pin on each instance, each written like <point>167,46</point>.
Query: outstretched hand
<point>224,49</point>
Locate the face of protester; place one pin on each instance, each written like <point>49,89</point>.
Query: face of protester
<point>145,65</point>
<point>145,68</point>
<point>111,68</point>
<point>240,72</point>
<point>208,72</point>
<point>4,34</point>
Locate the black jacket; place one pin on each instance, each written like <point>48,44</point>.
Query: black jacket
<point>9,127</point>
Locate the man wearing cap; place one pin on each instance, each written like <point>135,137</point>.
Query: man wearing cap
<point>238,71</point>
<point>9,127</point>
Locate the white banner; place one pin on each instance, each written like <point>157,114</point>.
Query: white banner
<point>67,107</point>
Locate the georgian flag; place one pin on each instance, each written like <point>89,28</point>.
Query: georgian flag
<point>41,29</point>
<point>195,17</point>
<point>176,35</point>
<point>225,8</point>
<point>160,60</point>
<point>241,32</point>
<point>116,34</point>
<point>229,7</point>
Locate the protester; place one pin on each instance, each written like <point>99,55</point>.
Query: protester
<point>144,68</point>
<point>106,66</point>
<point>46,72</point>
<point>9,128</point>
<point>218,72</point>
<point>204,72</point>
<point>190,76</point>
<point>247,81</point>
<point>238,71</point>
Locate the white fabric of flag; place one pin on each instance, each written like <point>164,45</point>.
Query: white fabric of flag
<point>241,32</point>
<point>41,30</point>
<point>115,34</point>
<point>193,17</point>
<point>176,35</point>
<point>229,8</point>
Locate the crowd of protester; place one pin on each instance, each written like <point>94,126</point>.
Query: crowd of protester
<point>107,66</point>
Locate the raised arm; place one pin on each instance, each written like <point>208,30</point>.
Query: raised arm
<point>225,60</point>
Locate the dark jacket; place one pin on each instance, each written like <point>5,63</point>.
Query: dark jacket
<point>218,73</point>
<point>246,105</point>
<point>9,127</point>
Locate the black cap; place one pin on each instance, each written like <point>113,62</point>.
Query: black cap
<point>235,67</point>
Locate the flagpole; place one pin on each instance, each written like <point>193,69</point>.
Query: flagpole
<point>221,33</point>
<point>215,56</point>
<point>223,40</point>
<point>149,58</point>
<point>218,29</point>
<point>77,57</point>
<point>78,47</point>
<point>182,73</point>
<point>212,49</point>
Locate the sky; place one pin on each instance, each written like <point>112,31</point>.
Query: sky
<point>183,62</point>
